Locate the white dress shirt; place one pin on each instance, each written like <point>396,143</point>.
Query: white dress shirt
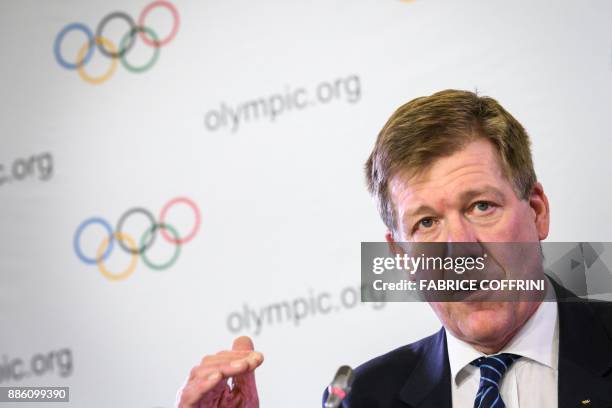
<point>531,381</point>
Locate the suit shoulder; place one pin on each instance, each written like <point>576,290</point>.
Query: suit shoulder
<point>602,310</point>
<point>377,382</point>
<point>402,359</point>
<point>384,376</point>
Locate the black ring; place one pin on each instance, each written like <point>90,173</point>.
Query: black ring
<point>123,16</point>
<point>121,221</point>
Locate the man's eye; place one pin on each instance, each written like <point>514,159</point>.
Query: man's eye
<point>426,223</point>
<point>483,206</point>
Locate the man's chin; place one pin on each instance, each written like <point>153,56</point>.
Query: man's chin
<point>483,323</point>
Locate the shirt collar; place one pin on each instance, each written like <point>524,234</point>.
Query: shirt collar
<point>537,340</point>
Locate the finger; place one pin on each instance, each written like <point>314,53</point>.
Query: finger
<point>221,358</point>
<point>253,359</point>
<point>224,357</point>
<point>234,368</point>
<point>204,371</point>
<point>242,365</point>
<point>233,353</point>
<point>229,365</point>
<point>243,343</point>
<point>195,389</point>
<point>246,382</point>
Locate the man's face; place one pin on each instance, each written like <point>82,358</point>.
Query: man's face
<point>465,197</point>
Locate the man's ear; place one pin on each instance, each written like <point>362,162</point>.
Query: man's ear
<point>394,247</point>
<point>539,204</point>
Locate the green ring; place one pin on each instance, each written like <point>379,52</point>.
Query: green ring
<point>124,41</point>
<point>177,251</point>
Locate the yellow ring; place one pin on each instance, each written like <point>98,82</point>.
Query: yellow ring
<point>131,267</point>
<point>106,43</point>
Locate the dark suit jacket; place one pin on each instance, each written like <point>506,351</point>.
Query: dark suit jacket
<point>418,375</point>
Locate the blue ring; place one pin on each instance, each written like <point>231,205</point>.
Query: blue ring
<point>60,37</point>
<point>77,239</point>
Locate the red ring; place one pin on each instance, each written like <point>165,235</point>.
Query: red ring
<point>196,227</point>
<point>338,391</point>
<point>143,15</point>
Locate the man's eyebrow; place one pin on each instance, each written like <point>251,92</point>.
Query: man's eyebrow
<point>465,196</point>
<point>421,209</point>
<point>470,194</point>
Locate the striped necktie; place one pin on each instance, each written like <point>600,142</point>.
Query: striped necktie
<point>492,370</point>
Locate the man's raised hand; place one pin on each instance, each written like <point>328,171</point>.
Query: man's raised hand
<point>208,386</point>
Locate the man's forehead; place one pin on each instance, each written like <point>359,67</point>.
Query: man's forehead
<point>477,157</point>
<point>456,181</point>
<point>474,169</point>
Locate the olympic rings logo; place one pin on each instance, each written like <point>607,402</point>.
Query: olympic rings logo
<point>109,49</point>
<point>129,245</point>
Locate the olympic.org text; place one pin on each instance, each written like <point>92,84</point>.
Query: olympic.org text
<point>253,319</point>
<point>53,362</point>
<point>39,166</point>
<point>346,89</point>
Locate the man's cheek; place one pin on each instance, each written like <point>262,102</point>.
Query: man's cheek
<point>440,309</point>
<point>450,313</point>
<point>519,222</point>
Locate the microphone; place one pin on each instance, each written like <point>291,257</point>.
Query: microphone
<point>339,387</point>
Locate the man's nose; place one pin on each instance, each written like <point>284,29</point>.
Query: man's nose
<point>458,229</point>
<point>461,239</point>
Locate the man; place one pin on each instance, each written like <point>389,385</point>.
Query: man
<point>456,167</point>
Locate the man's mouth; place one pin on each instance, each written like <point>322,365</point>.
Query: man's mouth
<point>478,295</point>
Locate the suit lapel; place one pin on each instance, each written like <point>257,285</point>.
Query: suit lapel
<point>585,355</point>
<point>428,385</point>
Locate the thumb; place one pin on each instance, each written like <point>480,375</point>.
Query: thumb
<point>243,343</point>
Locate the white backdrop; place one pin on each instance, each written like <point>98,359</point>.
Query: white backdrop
<point>281,194</point>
